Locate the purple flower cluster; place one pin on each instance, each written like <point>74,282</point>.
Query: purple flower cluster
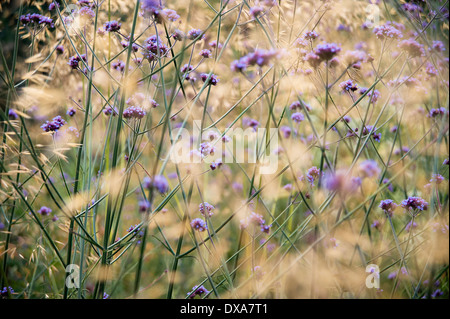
<point>159,182</point>
<point>6,291</point>
<point>206,208</point>
<point>348,86</point>
<point>387,31</point>
<point>54,125</point>
<point>112,26</point>
<point>194,34</point>
<point>199,224</point>
<point>154,48</point>
<point>388,206</point>
<point>369,168</point>
<point>134,112</point>
<point>75,60</point>
<point>327,51</point>
<point>197,291</point>
<point>35,19</point>
<point>437,112</point>
<point>412,47</point>
<point>414,203</point>
<point>258,57</point>
<point>44,211</point>
<point>313,174</point>
<point>256,220</point>
<point>213,79</point>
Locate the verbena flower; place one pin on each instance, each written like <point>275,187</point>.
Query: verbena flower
<point>199,224</point>
<point>414,204</point>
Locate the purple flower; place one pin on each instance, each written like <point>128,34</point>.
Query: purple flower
<point>194,34</point>
<point>412,47</point>
<point>206,53</point>
<point>144,205</point>
<point>197,291</point>
<point>59,49</point>
<point>112,26</point>
<point>199,224</point>
<point>134,112</point>
<point>437,178</point>
<point>327,51</point>
<point>313,174</point>
<point>297,117</point>
<point>44,211</point>
<point>414,203</point>
<point>160,183</point>
<point>388,206</point>
<point>53,125</point>
<point>71,112</point>
<point>206,208</point>
<point>12,115</point>
<point>387,31</point>
<point>213,79</point>
<point>348,86</point>
<point>369,168</point>
<point>376,224</point>
<point>6,291</point>
<point>437,112</point>
<point>311,35</point>
<point>256,11</point>
<point>53,5</point>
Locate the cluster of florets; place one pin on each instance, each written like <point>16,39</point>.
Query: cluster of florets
<point>297,117</point>
<point>12,114</point>
<point>258,57</point>
<point>348,86</point>
<point>206,208</point>
<point>412,47</point>
<point>197,291</point>
<point>195,34</point>
<point>209,79</point>
<point>108,110</point>
<point>126,44</point>
<point>438,46</point>
<point>206,149</point>
<point>298,105</point>
<point>185,70</point>
<point>327,51</point>
<point>6,291</point>
<point>369,168</point>
<point>414,203</point>
<point>249,122</point>
<point>44,211</point>
<point>437,179</point>
<point>388,206</point>
<point>144,205</point>
<point>112,26</point>
<point>313,174</point>
<point>54,125</point>
<point>159,182</point>
<point>136,229</point>
<point>118,65</point>
<point>35,19</point>
<point>134,112</point>
<point>199,224</point>
<point>310,35</point>
<point>437,112</point>
<point>387,31</point>
<point>155,48</point>
<point>369,129</point>
<point>75,60</point>
<point>255,220</point>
